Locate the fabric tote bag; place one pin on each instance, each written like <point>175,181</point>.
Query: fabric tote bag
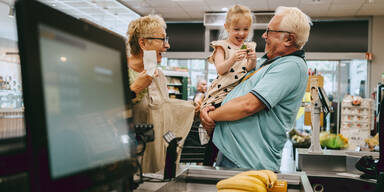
<point>166,115</point>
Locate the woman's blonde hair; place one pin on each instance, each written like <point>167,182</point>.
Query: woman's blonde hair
<point>236,12</point>
<point>141,28</point>
<point>295,21</point>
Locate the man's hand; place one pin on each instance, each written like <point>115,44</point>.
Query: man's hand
<point>142,82</point>
<point>207,122</point>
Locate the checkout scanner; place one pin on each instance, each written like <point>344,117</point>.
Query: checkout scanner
<point>78,113</point>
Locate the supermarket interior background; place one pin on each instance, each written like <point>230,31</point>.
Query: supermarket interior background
<point>345,51</point>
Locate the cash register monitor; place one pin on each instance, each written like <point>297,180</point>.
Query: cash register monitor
<point>77,111</point>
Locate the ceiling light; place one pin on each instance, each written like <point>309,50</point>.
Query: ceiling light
<point>63,59</point>
<point>224,9</point>
<point>316,1</point>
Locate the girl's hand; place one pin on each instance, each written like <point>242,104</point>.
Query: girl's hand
<point>197,106</point>
<point>239,55</point>
<point>251,59</point>
<point>156,74</point>
<point>251,55</point>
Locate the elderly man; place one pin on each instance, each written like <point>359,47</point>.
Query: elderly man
<point>252,122</point>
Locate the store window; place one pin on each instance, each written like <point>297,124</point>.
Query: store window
<point>11,100</point>
<point>196,71</point>
<point>341,78</point>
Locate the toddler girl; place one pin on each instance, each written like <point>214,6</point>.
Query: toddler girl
<point>233,57</point>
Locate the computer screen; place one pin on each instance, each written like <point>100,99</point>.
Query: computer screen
<point>78,113</point>
<point>84,102</point>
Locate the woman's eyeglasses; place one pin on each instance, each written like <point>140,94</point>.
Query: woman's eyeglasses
<point>165,40</point>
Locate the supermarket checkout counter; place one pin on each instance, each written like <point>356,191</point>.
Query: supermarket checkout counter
<point>202,178</point>
<point>334,170</point>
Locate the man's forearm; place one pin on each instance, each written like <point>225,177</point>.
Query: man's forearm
<point>238,108</point>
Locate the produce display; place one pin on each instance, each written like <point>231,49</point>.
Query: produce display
<point>372,142</point>
<point>299,140</point>
<point>333,141</point>
<point>255,180</point>
<point>328,140</point>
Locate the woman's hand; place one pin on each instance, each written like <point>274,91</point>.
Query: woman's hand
<point>142,82</point>
<point>206,121</point>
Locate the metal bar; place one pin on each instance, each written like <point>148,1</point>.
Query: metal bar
<point>339,99</point>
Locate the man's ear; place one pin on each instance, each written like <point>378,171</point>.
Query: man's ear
<point>290,40</point>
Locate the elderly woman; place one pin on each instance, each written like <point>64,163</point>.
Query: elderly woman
<point>148,34</point>
<point>145,33</point>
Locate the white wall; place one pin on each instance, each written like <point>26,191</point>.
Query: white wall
<point>377,66</point>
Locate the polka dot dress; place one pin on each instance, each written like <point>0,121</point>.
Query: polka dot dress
<point>223,84</point>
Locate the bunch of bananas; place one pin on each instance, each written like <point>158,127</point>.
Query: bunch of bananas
<point>256,181</point>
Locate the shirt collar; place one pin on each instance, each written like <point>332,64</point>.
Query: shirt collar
<point>299,53</point>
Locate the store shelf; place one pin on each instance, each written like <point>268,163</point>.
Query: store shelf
<point>176,73</point>
<point>177,84</point>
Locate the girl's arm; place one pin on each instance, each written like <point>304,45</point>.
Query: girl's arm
<point>251,60</point>
<point>222,65</point>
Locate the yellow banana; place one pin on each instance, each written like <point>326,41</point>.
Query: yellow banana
<point>280,186</point>
<point>271,176</point>
<point>259,175</point>
<point>241,182</point>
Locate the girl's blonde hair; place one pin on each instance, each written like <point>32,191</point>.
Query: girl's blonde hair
<point>233,16</point>
<point>237,12</point>
<point>141,28</point>
<point>295,21</point>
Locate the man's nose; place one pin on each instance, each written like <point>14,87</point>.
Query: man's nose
<point>264,35</point>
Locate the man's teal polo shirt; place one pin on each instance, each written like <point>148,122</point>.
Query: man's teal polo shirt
<point>257,141</point>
